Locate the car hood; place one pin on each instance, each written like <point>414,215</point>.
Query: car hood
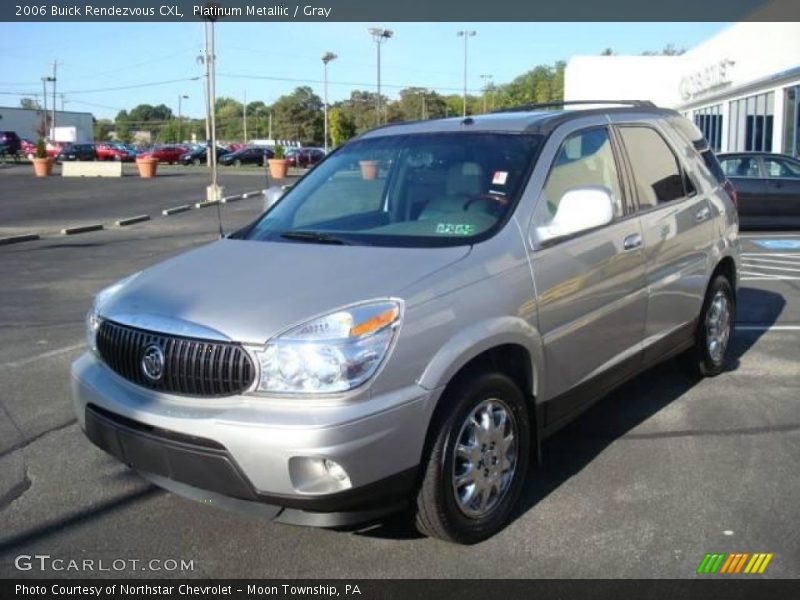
<point>248,291</point>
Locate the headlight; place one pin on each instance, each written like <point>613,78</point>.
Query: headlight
<point>93,319</point>
<point>334,353</point>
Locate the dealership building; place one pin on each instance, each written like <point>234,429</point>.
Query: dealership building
<point>741,87</point>
<point>71,126</point>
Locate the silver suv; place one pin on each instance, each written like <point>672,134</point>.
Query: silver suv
<point>407,324</point>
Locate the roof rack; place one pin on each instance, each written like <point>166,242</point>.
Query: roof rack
<point>555,104</point>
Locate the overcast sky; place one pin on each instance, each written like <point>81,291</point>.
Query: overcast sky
<point>266,60</point>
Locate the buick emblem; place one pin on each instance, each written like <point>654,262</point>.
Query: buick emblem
<point>153,362</point>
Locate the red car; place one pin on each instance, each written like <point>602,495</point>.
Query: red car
<point>106,151</point>
<point>304,157</point>
<point>168,153</point>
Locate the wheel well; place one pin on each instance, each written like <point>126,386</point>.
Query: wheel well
<point>512,360</point>
<point>727,268</point>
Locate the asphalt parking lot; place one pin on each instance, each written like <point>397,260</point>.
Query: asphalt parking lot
<point>665,469</point>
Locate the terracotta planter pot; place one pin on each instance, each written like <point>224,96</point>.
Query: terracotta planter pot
<point>369,169</point>
<point>278,167</point>
<point>42,167</point>
<point>147,167</point>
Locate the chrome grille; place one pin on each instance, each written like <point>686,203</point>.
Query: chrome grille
<point>191,366</point>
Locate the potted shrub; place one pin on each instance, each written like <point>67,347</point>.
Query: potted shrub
<point>147,166</point>
<point>278,165</point>
<point>42,164</point>
<point>369,169</point>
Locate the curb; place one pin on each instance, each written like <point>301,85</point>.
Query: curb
<point>176,209</point>
<point>207,203</point>
<point>15,239</point>
<point>132,220</point>
<point>82,229</point>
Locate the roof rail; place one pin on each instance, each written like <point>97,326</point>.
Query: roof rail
<point>561,103</point>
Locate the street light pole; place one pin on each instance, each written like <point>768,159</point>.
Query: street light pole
<point>326,58</point>
<point>379,35</point>
<point>466,34</point>
<point>244,117</point>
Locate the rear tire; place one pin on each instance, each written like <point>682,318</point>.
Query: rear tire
<point>477,462</point>
<point>714,329</point>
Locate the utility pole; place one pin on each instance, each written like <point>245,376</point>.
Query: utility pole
<point>244,115</point>
<point>379,35</point>
<point>44,107</point>
<point>269,135</point>
<point>53,120</point>
<point>180,117</point>
<point>466,34</point>
<point>214,192</point>
<point>487,82</point>
<point>326,58</point>
<point>62,101</point>
<point>53,115</point>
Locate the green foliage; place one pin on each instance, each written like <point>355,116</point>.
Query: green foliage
<point>298,116</point>
<point>41,149</point>
<point>340,127</point>
<point>102,128</point>
<point>279,152</point>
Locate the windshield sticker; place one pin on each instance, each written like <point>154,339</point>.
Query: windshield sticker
<point>499,177</point>
<point>455,229</point>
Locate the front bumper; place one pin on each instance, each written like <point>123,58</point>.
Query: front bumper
<point>235,452</point>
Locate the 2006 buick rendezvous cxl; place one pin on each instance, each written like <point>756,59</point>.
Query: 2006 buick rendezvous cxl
<point>405,325</point>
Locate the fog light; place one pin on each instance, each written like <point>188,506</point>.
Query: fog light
<point>335,470</point>
<point>312,475</point>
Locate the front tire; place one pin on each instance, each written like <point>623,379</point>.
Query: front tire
<point>477,462</point>
<point>714,329</point>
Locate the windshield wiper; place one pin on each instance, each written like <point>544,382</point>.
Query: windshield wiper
<point>313,236</point>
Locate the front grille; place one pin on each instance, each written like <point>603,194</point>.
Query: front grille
<point>191,366</point>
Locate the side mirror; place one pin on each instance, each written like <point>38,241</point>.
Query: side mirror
<point>273,194</point>
<point>580,209</point>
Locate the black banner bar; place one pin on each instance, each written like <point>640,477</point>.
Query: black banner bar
<point>732,588</point>
<point>399,10</point>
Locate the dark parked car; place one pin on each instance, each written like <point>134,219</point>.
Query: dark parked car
<point>767,187</point>
<point>198,155</point>
<point>252,155</point>
<point>166,154</point>
<point>304,157</point>
<point>9,143</point>
<point>76,152</point>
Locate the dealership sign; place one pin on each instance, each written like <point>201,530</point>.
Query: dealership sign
<point>705,80</point>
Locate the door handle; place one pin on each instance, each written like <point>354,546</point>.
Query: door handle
<point>632,241</point>
<point>702,214</point>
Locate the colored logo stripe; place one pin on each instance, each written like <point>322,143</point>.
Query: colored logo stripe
<point>734,562</point>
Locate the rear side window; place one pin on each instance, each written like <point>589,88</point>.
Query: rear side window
<point>778,167</point>
<point>655,167</point>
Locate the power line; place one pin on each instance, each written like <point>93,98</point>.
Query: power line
<point>350,83</point>
<point>138,85</point>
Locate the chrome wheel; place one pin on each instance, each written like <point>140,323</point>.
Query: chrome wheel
<point>485,459</point>
<point>718,326</point>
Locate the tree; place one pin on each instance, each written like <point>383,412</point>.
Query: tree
<point>607,52</point>
<point>298,116</point>
<point>102,128</point>
<point>410,104</point>
<point>340,127</point>
<point>30,104</point>
<point>668,50</point>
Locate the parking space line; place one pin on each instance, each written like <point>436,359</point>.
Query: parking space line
<point>24,361</point>
<point>768,328</point>
<point>776,261</point>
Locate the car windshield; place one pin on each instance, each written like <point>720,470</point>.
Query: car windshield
<point>405,190</point>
